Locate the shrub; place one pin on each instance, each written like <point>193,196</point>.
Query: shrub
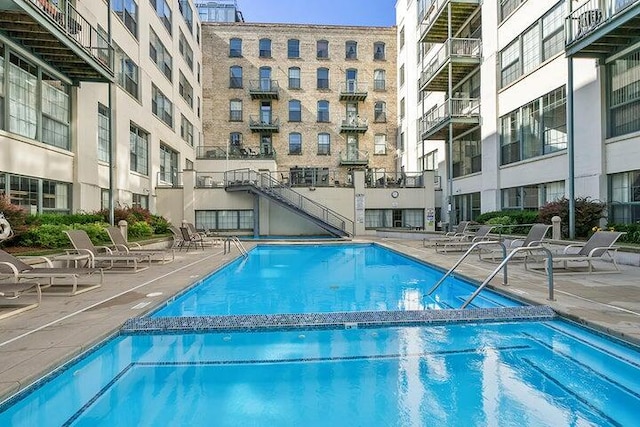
<point>632,230</point>
<point>159,224</point>
<point>83,218</point>
<point>46,236</point>
<point>516,216</point>
<point>588,214</point>
<point>140,229</point>
<point>502,220</point>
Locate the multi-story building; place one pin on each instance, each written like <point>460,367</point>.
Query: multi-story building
<point>522,146</point>
<point>96,105</point>
<point>219,11</point>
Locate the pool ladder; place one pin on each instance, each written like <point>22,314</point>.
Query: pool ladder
<point>237,243</point>
<point>502,266</point>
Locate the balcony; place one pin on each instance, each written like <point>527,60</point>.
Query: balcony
<point>600,28</point>
<point>241,152</point>
<point>354,157</point>
<point>63,38</point>
<point>263,125</point>
<point>462,113</point>
<point>353,90</point>
<point>464,56</point>
<point>434,19</point>
<point>264,89</point>
<point>354,125</point>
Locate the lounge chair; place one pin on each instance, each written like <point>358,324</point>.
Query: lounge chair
<point>104,256</point>
<point>189,238</point>
<point>462,245</point>
<point>601,243</point>
<point>536,234</point>
<point>17,269</point>
<point>122,246</point>
<point>459,234</point>
<point>13,291</point>
<point>178,241</point>
<point>213,241</point>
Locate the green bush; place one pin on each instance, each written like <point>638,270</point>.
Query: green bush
<point>140,229</point>
<point>516,216</point>
<point>632,230</point>
<point>159,224</point>
<point>588,214</point>
<point>52,236</point>
<point>59,219</point>
<point>502,220</point>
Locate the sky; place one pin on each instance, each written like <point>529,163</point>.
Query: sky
<point>331,12</point>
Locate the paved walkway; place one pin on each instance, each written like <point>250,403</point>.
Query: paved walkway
<point>34,342</point>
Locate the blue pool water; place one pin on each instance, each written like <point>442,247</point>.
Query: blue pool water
<point>321,279</point>
<point>503,374</point>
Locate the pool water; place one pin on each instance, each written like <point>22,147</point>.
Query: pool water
<point>525,373</point>
<point>324,278</point>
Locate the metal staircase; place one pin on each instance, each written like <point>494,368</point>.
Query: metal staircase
<point>263,185</point>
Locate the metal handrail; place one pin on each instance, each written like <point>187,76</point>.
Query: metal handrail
<point>501,266</point>
<point>238,244</point>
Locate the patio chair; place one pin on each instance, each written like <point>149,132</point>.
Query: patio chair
<point>102,255</point>
<point>534,238</point>
<point>18,269</point>
<point>195,239</point>
<point>459,234</point>
<point>462,245</point>
<point>13,291</point>
<point>207,240</point>
<point>601,243</point>
<point>176,234</point>
<point>121,245</point>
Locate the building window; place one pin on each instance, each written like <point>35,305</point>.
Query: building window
<point>553,32</point>
<point>295,143</point>
<point>507,7</point>
<point>235,48</point>
<point>401,36</point>
<point>379,51</point>
<point>323,78</point>
<point>187,53</point>
<point>535,129</point>
<point>159,54</point>
<point>235,110</point>
<point>295,111</point>
<point>324,144</point>
<point>140,201</point>
<point>380,144</point>
<point>510,62</point>
<point>467,207</point>
<point>103,133</point>
<point>294,78</point>
<point>138,150</point>
<point>186,130</point>
<point>322,49</point>
<point>380,112</point>
<point>161,106</point>
<point>102,46</point>
<point>265,48</point>
<point>23,98</point>
<point>623,78</point>
<point>128,73</point>
<point>624,196</point>
<point>379,80</point>
<point>293,48</point>
<point>163,11</point>
<point>55,112</point>
<point>235,140</point>
<point>225,220</point>
<point>401,75</point>
<point>235,77</point>
<point>402,109</point>
<point>168,165</point>
<point>393,218</point>
<point>467,154</point>
<point>351,50</point>
<point>127,11</point>
<point>531,197</point>
<point>187,13</point>
<point>186,90</point>
<point>323,111</point>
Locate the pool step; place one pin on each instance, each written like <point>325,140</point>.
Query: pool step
<point>366,319</point>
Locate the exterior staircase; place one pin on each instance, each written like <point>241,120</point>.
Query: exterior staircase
<point>263,185</point>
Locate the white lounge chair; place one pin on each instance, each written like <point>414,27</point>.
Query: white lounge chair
<point>462,245</point>
<point>459,234</point>
<point>12,293</point>
<point>536,234</point>
<point>102,255</point>
<point>122,246</point>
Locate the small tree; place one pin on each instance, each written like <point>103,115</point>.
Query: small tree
<point>588,214</point>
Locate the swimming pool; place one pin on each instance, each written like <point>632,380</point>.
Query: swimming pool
<point>525,373</point>
<point>321,279</point>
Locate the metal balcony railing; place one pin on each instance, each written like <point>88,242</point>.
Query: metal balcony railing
<point>354,157</point>
<point>353,90</point>
<point>213,152</point>
<point>354,124</point>
<point>591,15</point>
<point>451,109</point>
<point>266,124</point>
<point>264,89</point>
<point>467,49</point>
<point>169,179</point>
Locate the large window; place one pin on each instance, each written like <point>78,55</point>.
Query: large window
<point>323,78</point>
<point>264,46</point>
<point>235,110</point>
<point>55,112</point>
<point>128,73</point>
<point>163,11</point>
<point>103,133</point>
<point>127,11</point>
<point>186,130</point>
<point>23,97</point>
<point>36,195</point>
<point>323,111</point>
<point>507,7</point>
<point>379,80</point>
<point>159,54</point>
<point>380,112</point>
<point>393,218</point>
<point>531,197</point>
<point>235,77</point>
<point>380,144</point>
<point>467,154</point>
<point>467,206</point>
<point>322,49</point>
<point>351,50</point>
<point>187,53</point>
<point>235,48</point>
<point>185,89</point>
<point>535,129</point>
<point>379,51</point>
<point>168,165</point>
<point>540,42</point>
<point>225,220</point>
<point>187,13</point>
<point>624,197</point>
<point>324,144</point>
<point>295,143</point>
<point>624,95</point>
<point>138,150</point>
<point>293,48</point>
<point>161,106</point>
<point>294,78</point>
<point>295,111</point>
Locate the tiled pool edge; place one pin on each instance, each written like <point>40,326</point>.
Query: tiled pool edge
<point>365,319</point>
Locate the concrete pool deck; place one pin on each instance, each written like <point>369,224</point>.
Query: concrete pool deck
<point>34,342</point>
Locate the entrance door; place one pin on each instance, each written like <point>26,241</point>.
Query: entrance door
<point>352,147</point>
<point>352,80</point>
<point>265,144</point>
<point>265,112</point>
<point>265,78</point>
<point>352,113</point>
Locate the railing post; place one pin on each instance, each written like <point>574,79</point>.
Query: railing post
<point>556,229</point>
